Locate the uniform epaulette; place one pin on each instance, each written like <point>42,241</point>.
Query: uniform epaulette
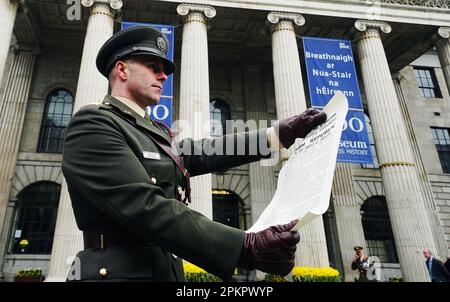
<point>90,106</point>
<point>104,106</point>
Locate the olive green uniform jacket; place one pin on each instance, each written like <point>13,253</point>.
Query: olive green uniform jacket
<point>113,184</point>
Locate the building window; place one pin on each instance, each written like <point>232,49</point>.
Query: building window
<point>35,219</point>
<point>441,138</point>
<point>219,113</point>
<point>373,150</point>
<point>228,209</point>
<point>58,111</point>
<point>377,229</point>
<point>427,82</point>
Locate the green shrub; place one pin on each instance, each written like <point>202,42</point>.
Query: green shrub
<point>275,278</point>
<point>29,272</point>
<point>395,279</point>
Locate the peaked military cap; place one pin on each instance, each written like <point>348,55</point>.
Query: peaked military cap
<point>357,248</point>
<point>133,41</point>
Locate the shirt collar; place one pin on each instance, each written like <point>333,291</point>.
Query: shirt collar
<point>132,105</point>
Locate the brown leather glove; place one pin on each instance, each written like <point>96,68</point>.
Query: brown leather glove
<point>298,126</point>
<point>271,250</point>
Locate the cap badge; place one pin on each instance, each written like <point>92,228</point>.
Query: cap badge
<point>161,44</point>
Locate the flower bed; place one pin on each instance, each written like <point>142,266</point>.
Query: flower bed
<point>29,275</point>
<point>308,274</point>
<point>193,273</point>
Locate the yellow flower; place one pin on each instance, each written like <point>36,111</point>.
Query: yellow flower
<point>192,269</point>
<point>193,273</point>
<point>315,272</point>
<point>23,242</point>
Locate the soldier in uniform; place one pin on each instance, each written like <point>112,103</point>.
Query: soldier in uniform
<point>361,262</point>
<point>129,189</point>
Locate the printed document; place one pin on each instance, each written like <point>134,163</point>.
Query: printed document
<point>304,183</point>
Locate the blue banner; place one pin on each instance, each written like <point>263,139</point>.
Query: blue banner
<point>164,110</point>
<point>330,67</point>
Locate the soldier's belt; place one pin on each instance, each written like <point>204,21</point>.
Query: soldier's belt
<point>101,237</point>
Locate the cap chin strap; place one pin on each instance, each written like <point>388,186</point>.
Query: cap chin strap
<point>137,49</point>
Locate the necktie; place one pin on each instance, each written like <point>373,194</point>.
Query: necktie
<point>147,118</point>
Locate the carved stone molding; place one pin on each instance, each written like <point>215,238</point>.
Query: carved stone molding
<point>185,8</point>
<point>441,36</point>
<point>26,30</point>
<point>363,25</point>
<point>114,4</point>
<point>25,47</point>
<point>14,47</point>
<point>27,173</point>
<point>398,77</point>
<point>424,3</point>
<point>275,17</point>
<point>444,32</point>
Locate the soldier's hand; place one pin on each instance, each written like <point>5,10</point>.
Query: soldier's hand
<point>298,126</point>
<point>271,250</point>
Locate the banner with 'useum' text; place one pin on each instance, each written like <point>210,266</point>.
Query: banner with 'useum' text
<point>330,67</point>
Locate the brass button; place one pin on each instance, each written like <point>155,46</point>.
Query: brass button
<point>153,180</point>
<point>103,272</point>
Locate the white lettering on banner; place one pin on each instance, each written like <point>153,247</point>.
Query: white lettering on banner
<point>166,30</point>
<point>327,56</point>
<point>353,144</point>
<point>355,124</point>
<point>334,74</point>
<point>344,45</point>
<point>330,68</point>
<point>356,152</point>
<point>165,111</point>
<point>327,91</point>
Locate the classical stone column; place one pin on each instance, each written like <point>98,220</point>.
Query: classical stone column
<point>348,216</point>
<point>409,219</point>
<point>91,87</point>
<point>8,12</point>
<point>262,178</point>
<point>12,112</point>
<point>5,236</point>
<point>194,92</point>
<point>430,205</point>
<point>290,100</point>
<point>442,43</point>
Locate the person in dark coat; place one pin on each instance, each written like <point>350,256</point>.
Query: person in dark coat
<point>447,264</point>
<point>361,262</point>
<point>436,269</point>
<point>130,189</point>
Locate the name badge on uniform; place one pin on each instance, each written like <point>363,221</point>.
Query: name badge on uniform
<point>151,155</point>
